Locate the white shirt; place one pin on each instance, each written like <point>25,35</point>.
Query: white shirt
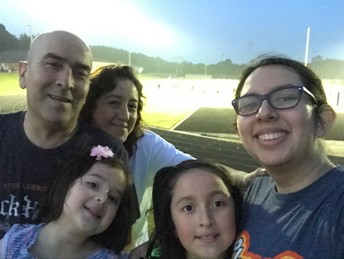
<point>153,153</point>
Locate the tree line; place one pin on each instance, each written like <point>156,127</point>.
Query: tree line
<point>324,67</point>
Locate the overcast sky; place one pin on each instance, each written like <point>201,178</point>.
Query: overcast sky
<point>198,31</point>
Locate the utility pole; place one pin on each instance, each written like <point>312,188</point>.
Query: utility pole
<point>307,45</point>
<point>30,32</point>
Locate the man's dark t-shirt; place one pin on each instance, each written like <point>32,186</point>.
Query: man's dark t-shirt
<point>26,168</point>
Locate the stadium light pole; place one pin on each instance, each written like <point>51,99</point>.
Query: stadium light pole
<point>30,32</point>
<point>129,58</point>
<point>307,45</point>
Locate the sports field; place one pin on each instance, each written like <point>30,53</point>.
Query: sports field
<point>9,84</point>
<point>163,117</point>
<point>167,101</point>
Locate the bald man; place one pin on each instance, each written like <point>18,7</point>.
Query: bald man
<point>35,142</point>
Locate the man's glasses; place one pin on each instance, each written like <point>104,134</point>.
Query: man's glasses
<point>285,97</point>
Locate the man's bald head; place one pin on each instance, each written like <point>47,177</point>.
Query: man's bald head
<point>56,76</point>
<point>62,38</point>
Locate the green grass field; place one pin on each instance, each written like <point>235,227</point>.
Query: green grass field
<point>9,84</point>
<point>153,113</point>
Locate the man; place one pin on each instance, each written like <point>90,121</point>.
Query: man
<point>34,143</point>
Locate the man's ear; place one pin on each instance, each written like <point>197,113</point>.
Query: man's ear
<point>325,119</point>
<point>22,68</point>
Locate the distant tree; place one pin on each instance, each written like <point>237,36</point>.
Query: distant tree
<point>24,42</point>
<point>109,54</point>
<point>225,69</point>
<point>317,58</point>
<point>7,40</point>
<point>328,68</point>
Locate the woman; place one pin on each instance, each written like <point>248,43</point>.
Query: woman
<point>298,209</point>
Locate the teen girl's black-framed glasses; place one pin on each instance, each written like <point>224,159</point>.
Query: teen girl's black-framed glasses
<point>284,97</point>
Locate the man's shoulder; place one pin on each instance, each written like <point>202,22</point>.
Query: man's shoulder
<point>4,117</point>
<point>10,121</point>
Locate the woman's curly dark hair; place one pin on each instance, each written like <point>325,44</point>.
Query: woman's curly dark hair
<point>104,79</point>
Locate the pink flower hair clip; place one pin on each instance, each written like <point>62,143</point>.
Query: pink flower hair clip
<point>100,151</point>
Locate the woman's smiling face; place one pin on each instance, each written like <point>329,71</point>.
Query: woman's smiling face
<point>116,111</point>
<point>275,137</point>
